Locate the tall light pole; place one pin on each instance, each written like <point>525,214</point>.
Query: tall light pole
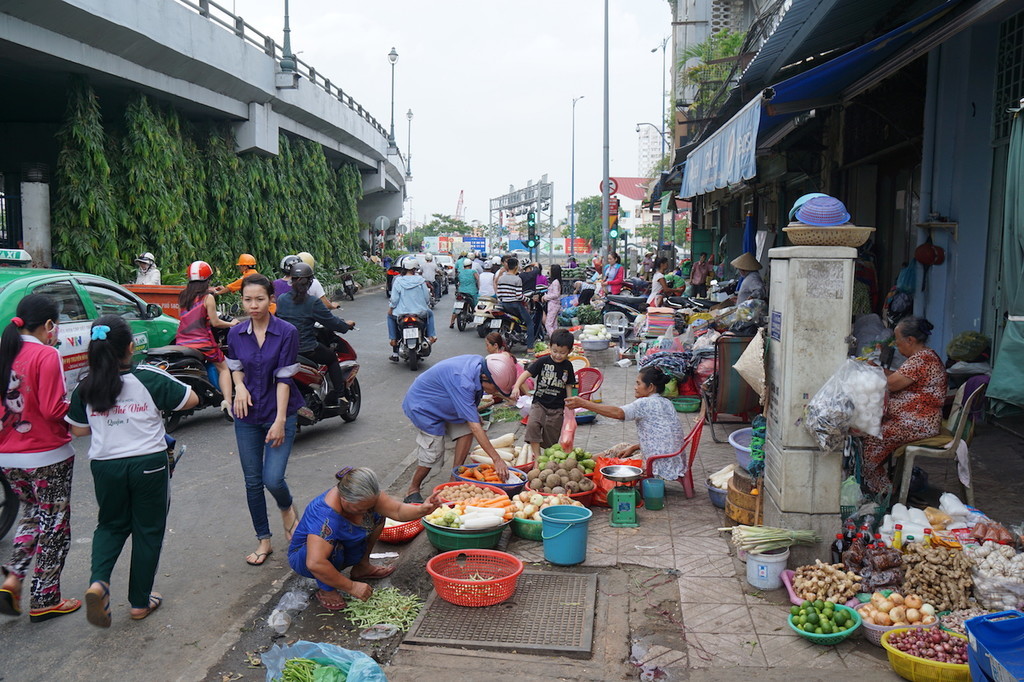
<point>572,183</point>
<point>606,173</point>
<point>287,58</point>
<point>664,113</point>
<point>408,149</point>
<point>392,57</point>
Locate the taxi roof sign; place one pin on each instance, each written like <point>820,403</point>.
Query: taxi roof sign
<point>16,256</point>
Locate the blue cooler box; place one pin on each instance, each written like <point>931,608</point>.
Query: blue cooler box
<point>996,646</point>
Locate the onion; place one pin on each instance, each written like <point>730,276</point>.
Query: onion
<point>928,620</point>
<point>885,606</point>
<point>913,616</point>
<point>913,601</point>
<point>928,609</point>
<point>882,618</point>
<point>898,614</point>
<point>896,598</point>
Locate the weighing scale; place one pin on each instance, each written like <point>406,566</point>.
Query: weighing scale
<point>623,497</point>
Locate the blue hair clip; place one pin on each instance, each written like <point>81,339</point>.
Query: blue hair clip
<point>99,332</point>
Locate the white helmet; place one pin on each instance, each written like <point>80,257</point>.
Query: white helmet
<point>429,257</point>
<point>408,263</point>
<point>472,255</point>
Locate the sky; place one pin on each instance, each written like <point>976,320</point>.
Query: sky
<point>490,84</point>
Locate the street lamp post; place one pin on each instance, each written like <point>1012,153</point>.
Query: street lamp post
<point>408,149</point>
<point>572,183</point>
<point>664,114</point>
<point>287,58</point>
<point>392,57</point>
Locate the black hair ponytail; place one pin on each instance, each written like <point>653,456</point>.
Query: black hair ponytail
<point>111,337</point>
<point>33,311</point>
<point>652,376</point>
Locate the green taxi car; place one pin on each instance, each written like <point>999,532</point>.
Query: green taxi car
<point>81,298</point>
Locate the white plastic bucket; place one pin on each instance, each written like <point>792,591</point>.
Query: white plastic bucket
<point>764,571</point>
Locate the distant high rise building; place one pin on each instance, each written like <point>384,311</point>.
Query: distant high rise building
<point>649,142</point>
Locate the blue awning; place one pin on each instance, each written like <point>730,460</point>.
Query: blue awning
<point>728,155</point>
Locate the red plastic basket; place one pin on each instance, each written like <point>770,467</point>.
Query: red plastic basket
<point>585,498</point>
<point>403,532</point>
<point>441,488</point>
<point>451,573</point>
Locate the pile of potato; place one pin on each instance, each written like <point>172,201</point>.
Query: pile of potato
<point>558,478</point>
<point>466,491</point>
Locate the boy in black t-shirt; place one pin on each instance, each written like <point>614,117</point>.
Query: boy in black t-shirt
<point>553,375</point>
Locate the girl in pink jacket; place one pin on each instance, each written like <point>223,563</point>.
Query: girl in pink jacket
<point>37,458</point>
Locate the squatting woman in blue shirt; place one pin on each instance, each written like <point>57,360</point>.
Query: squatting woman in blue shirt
<point>263,357</point>
<point>339,529</point>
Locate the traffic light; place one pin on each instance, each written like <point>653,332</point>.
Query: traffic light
<point>613,228</point>
<point>531,219</point>
<point>531,240</point>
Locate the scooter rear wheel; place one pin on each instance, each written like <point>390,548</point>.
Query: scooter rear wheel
<point>461,321</point>
<point>355,401</point>
<point>413,360</point>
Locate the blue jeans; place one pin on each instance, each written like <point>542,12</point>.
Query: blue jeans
<point>263,466</point>
<point>393,326</point>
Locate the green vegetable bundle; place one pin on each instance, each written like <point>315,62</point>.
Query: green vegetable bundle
<point>311,670</point>
<point>761,539</point>
<point>386,605</point>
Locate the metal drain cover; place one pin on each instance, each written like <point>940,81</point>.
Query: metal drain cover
<point>559,608</point>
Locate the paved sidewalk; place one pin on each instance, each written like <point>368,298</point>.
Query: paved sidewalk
<point>691,613</point>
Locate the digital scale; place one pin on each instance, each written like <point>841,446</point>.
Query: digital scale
<point>623,498</point>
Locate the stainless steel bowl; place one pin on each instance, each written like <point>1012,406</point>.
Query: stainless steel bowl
<point>622,473</point>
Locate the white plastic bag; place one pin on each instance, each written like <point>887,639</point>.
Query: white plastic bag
<point>866,384</point>
<point>829,413</point>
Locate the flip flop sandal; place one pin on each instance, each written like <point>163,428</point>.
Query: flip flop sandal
<point>97,604</point>
<point>261,558</point>
<point>65,607</point>
<point>10,603</point>
<point>155,600</point>
<point>377,573</point>
<point>413,498</point>
<point>330,606</point>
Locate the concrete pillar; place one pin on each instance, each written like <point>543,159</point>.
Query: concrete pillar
<point>35,221</point>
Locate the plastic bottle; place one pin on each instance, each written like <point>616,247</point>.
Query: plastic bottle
<point>897,536</point>
<point>837,549</point>
<point>927,542</point>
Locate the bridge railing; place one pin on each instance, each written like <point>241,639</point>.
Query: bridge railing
<point>246,31</point>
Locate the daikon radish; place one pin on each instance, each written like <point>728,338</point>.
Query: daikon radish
<point>505,441</point>
<point>493,511</point>
<point>481,459</point>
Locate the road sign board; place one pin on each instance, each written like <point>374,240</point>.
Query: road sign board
<point>613,206</point>
<point>613,187</point>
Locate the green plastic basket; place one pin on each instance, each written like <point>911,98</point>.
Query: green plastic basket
<point>528,529</point>
<point>686,403</point>
<point>829,639</point>
<point>446,540</point>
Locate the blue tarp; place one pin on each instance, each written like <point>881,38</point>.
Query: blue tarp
<point>725,158</point>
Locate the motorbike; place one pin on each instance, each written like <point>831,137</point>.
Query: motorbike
<point>537,306</point>
<point>413,343</point>
<point>9,504</point>
<point>636,286</point>
<point>463,310</point>
<point>484,315</point>
<point>348,282</point>
<point>442,282</point>
<point>314,382</point>
<point>628,307</point>
<point>511,328</point>
<point>190,367</point>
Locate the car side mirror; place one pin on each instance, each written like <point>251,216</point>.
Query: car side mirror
<point>153,311</point>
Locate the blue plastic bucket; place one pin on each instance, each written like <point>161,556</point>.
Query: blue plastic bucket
<point>654,493</point>
<point>564,531</point>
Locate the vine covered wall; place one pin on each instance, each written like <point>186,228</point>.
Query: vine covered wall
<point>152,181</point>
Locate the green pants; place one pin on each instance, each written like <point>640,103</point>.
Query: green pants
<point>133,496</point>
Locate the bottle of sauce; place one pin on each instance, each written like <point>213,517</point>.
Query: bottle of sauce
<point>927,537</point>
<point>837,549</point>
<point>897,536</point>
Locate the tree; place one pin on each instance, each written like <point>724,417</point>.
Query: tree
<point>441,224</point>
<point>588,220</point>
<point>710,76</point>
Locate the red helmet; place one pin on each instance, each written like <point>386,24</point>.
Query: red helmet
<point>199,270</point>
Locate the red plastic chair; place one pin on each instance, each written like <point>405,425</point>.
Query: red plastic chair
<point>588,380</point>
<point>691,441</point>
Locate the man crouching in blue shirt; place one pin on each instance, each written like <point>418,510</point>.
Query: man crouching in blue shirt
<point>443,402</point>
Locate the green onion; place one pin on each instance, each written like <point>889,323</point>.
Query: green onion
<point>386,605</point>
<point>761,539</point>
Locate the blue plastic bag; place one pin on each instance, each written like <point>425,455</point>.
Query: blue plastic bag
<point>358,666</point>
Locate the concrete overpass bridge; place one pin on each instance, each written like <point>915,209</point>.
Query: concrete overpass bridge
<point>193,54</point>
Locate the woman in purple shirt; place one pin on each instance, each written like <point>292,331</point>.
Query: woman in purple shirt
<point>263,358</point>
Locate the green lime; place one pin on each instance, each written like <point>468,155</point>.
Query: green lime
<point>807,627</point>
<point>795,610</point>
<point>806,604</point>
<point>818,604</point>
<point>801,620</point>
<point>818,631</point>
<point>812,618</point>
<point>830,605</point>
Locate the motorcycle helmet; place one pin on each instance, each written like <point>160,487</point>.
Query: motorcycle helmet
<point>301,269</point>
<point>147,257</point>
<point>501,369</point>
<point>307,258</point>
<point>429,257</point>
<point>288,262</point>
<point>247,259</point>
<point>199,270</point>
<point>407,263</point>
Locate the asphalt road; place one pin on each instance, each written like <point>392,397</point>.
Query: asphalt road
<point>206,584</point>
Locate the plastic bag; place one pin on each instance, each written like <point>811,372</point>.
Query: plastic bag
<point>830,412</point>
<point>293,600</point>
<point>866,384</point>
<point>279,620</point>
<point>938,519</point>
<point>750,366</point>
<point>850,493</point>
<point>357,666</point>
<point>568,434</point>
<point>601,484</point>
